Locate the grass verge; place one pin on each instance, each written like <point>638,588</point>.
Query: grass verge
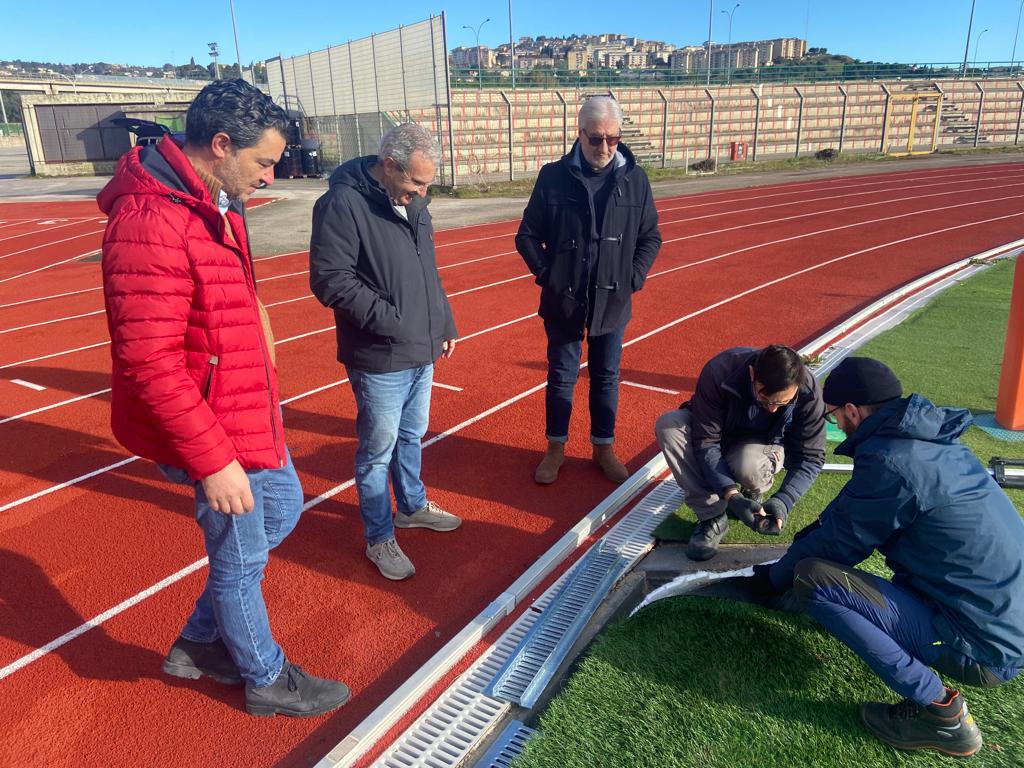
<point>710,683</point>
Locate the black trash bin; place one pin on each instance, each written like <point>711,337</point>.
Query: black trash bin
<point>290,164</point>
<point>311,158</point>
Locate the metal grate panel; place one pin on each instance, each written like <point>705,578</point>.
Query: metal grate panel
<point>508,747</point>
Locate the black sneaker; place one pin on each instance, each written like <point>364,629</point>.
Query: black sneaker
<point>708,534</point>
<point>192,660</point>
<point>296,694</point>
<point>948,728</point>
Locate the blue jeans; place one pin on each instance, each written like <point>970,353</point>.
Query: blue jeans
<point>231,606</point>
<point>890,628</point>
<point>604,353</point>
<point>393,411</point>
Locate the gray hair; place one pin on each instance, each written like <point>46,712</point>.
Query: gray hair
<point>403,140</point>
<point>598,108</point>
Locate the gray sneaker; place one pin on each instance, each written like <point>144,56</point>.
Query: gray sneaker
<point>708,534</point>
<point>431,516</point>
<point>390,560</point>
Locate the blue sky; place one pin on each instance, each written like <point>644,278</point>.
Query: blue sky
<point>159,32</point>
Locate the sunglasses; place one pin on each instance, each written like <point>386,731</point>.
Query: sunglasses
<point>596,141</point>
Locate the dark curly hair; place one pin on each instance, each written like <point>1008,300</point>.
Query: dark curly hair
<point>236,108</point>
<point>777,367</point>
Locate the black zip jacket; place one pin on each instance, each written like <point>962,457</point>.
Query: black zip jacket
<point>556,240</point>
<point>378,273</point>
<point>721,409</point>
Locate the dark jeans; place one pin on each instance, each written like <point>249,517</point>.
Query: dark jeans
<point>890,628</point>
<point>604,353</point>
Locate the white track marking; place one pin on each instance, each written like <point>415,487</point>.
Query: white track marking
<point>50,407</point>
<point>48,266</point>
<point>54,354</point>
<point>50,322</point>
<point>48,229</point>
<point>159,586</point>
<point>29,384</point>
<point>67,483</point>
<point>55,242</point>
<point>47,298</point>
<point>446,386</point>
<point>648,386</point>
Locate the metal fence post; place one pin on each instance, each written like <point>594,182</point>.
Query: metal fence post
<point>1020,114</point>
<point>312,83</point>
<point>448,95</point>
<point>401,58</point>
<point>664,128</point>
<point>842,120</point>
<point>885,120</point>
<point>334,106</point>
<point>511,171</point>
<point>565,124</point>
<point>799,120</point>
<point>757,121</point>
<point>355,109</point>
<point>284,83</point>
<point>711,125</point>
<point>981,110</point>
<point>376,88</point>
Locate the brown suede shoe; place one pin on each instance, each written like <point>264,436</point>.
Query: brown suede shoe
<point>605,459</point>
<point>547,470</point>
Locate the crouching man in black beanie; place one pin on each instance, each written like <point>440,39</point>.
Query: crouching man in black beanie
<point>953,539</point>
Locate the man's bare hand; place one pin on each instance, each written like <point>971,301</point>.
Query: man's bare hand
<point>228,491</point>
<point>448,347</point>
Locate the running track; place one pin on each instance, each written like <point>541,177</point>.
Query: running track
<point>84,528</point>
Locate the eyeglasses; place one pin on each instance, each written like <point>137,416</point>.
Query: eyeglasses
<point>830,416</point>
<point>418,184</point>
<point>771,403</point>
<point>596,141</point>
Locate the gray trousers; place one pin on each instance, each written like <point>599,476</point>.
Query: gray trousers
<point>753,465</point>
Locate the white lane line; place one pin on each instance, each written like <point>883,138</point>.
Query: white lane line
<point>47,298</point>
<point>281,277</point>
<point>95,621</point>
<point>288,301</point>
<point>50,322</point>
<point>139,597</point>
<point>489,285</point>
<point>55,242</point>
<point>67,483</point>
<point>324,388</point>
<point>496,327</point>
<point>54,354</point>
<point>306,334</point>
<point>446,386</point>
<point>474,261</point>
<point>278,256</point>
<point>475,240</point>
<point>29,384</point>
<point>649,387</point>
<point>48,266</point>
<point>48,229</point>
<point>50,407</point>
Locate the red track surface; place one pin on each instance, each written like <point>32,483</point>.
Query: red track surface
<point>750,266</point>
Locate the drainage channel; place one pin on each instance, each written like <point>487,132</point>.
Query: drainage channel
<point>513,675</point>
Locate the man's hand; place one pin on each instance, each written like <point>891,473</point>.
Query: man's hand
<point>743,509</point>
<point>772,517</point>
<point>228,491</point>
<point>448,347</point>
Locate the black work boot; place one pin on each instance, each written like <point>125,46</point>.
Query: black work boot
<point>708,534</point>
<point>946,727</point>
<point>192,660</point>
<point>295,693</point>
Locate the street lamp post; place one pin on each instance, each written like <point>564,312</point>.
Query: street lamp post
<point>238,53</point>
<point>1013,56</point>
<point>967,48</point>
<point>711,18</point>
<point>728,75</point>
<point>476,31</point>
<point>977,42</point>
<point>214,53</point>
<point>511,45</point>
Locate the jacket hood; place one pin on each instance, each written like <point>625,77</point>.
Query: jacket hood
<point>910,418</point>
<point>161,169</point>
<point>623,158</point>
<point>355,173</point>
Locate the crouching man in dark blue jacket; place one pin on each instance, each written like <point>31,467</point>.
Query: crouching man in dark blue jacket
<point>953,539</point>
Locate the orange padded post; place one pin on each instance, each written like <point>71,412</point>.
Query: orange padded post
<point>1010,402</point>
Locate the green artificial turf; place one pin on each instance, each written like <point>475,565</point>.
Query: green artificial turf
<point>708,683</point>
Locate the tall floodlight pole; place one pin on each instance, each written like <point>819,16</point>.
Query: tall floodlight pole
<point>728,75</point>
<point>977,42</point>
<point>711,18</point>
<point>238,54</point>
<point>214,53</point>
<point>476,31</point>
<point>1013,56</point>
<point>511,45</point>
<point>967,49</point>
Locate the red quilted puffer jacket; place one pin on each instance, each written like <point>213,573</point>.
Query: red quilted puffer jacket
<point>193,383</point>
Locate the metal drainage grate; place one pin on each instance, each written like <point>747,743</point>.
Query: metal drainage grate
<point>508,747</point>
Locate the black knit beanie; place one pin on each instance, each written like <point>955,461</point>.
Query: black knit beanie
<point>861,381</point>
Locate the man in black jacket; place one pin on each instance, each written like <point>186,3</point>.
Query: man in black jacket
<point>371,260</point>
<point>589,234</point>
<point>753,412</point>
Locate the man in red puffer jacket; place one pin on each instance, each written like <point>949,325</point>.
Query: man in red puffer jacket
<point>194,383</point>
